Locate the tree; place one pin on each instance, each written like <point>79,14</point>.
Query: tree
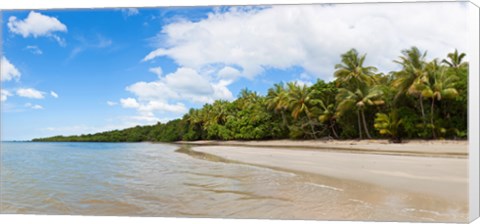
<point>300,101</point>
<point>351,72</point>
<point>277,100</point>
<point>388,124</point>
<point>327,115</point>
<point>413,71</point>
<point>455,59</point>
<point>439,86</point>
<point>358,100</point>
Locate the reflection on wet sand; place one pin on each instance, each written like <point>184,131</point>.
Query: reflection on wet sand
<point>364,201</point>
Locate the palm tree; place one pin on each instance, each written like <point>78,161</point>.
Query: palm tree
<point>247,98</point>
<point>351,71</point>
<point>413,71</point>
<point>299,101</point>
<point>437,87</point>
<point>277,100</point>
<point>455,59</point>
<point>358,99</point>
<point>388,124</point>
<point>327,115</point>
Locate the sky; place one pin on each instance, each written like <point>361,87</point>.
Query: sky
<point>67,72</point>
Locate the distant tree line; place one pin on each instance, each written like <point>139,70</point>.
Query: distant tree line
<point>425,99</point>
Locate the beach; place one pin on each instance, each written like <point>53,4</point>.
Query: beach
<point>437,169</point>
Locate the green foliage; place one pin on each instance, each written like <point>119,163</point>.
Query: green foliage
<point>424,99</point>
<point>388,124</point>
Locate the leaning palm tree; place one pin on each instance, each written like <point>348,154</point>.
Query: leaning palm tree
<point>299,100</point>
<point>351,71</point>
<point>358,100</point>
<point>439,86</point>
<point>413,71</point>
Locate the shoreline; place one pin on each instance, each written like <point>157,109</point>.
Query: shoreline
<point>425,148</point>
<point>436,176</point>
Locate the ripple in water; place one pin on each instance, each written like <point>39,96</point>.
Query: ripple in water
<point>141,179</point>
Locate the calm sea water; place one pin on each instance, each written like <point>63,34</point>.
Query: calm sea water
<point>142,179</point>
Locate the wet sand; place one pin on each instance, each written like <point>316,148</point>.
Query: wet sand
<point>438,169</point>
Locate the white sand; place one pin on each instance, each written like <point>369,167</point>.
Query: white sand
<point>445,176</point>
<point>443,148</point>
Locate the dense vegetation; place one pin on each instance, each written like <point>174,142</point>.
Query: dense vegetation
<point>425,99</point>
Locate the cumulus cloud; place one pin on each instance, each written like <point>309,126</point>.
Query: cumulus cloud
<point>247,42</point>
<point>37,25</point>
<point>53,94</point>
<point>183,84</point>
<point>30,93</point>
<point>33,106</point>
<point>156,70</point>
<point>129,103</point>
<point>34,49</point>
<point>4,95</point>
<point>169,93</point>
<point>229,73</point>
<point>8,70</point>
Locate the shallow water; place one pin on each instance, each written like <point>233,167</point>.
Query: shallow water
<point>142,179</point>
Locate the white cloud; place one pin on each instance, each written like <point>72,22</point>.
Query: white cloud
<point>34,49</point>
<point>229,73</point>
<point>37,25</point>
<point>110,103</point>
<point>4,95</point>
<point>156,70</point>
<point>303,83</point>
<point>53,94</point>
<point>129,103</point>
<point>8,70</point>
<point>33,106</point>
<point>169,93</point>
<point>129,12</point>
<point>30,93</point>
<point>312,36</point>
<point>184,84</point>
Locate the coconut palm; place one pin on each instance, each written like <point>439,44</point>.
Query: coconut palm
<point>351,71</point>
<point>439,86</point>
<point>455,59</point>
<point>277,100</point>
<point>358,100</point>
<point>388,124</point>
<point>300,101</point>
<point>413,71</point>
<point>327,115</point>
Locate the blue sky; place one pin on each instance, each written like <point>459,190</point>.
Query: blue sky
<point>83,71</point>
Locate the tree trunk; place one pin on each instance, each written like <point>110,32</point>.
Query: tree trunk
<point>332,126</point>
<point>284,118</point>
<point>431,118</point>
<point>313,129</point>
<point>365,125</point>
<point>359,124</point>
<point>423,111</point>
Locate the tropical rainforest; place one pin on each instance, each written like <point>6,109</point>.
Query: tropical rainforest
<point>422,100</point>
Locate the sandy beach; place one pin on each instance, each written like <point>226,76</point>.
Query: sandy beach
<point>433,148</point>
<point>435,168</point>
